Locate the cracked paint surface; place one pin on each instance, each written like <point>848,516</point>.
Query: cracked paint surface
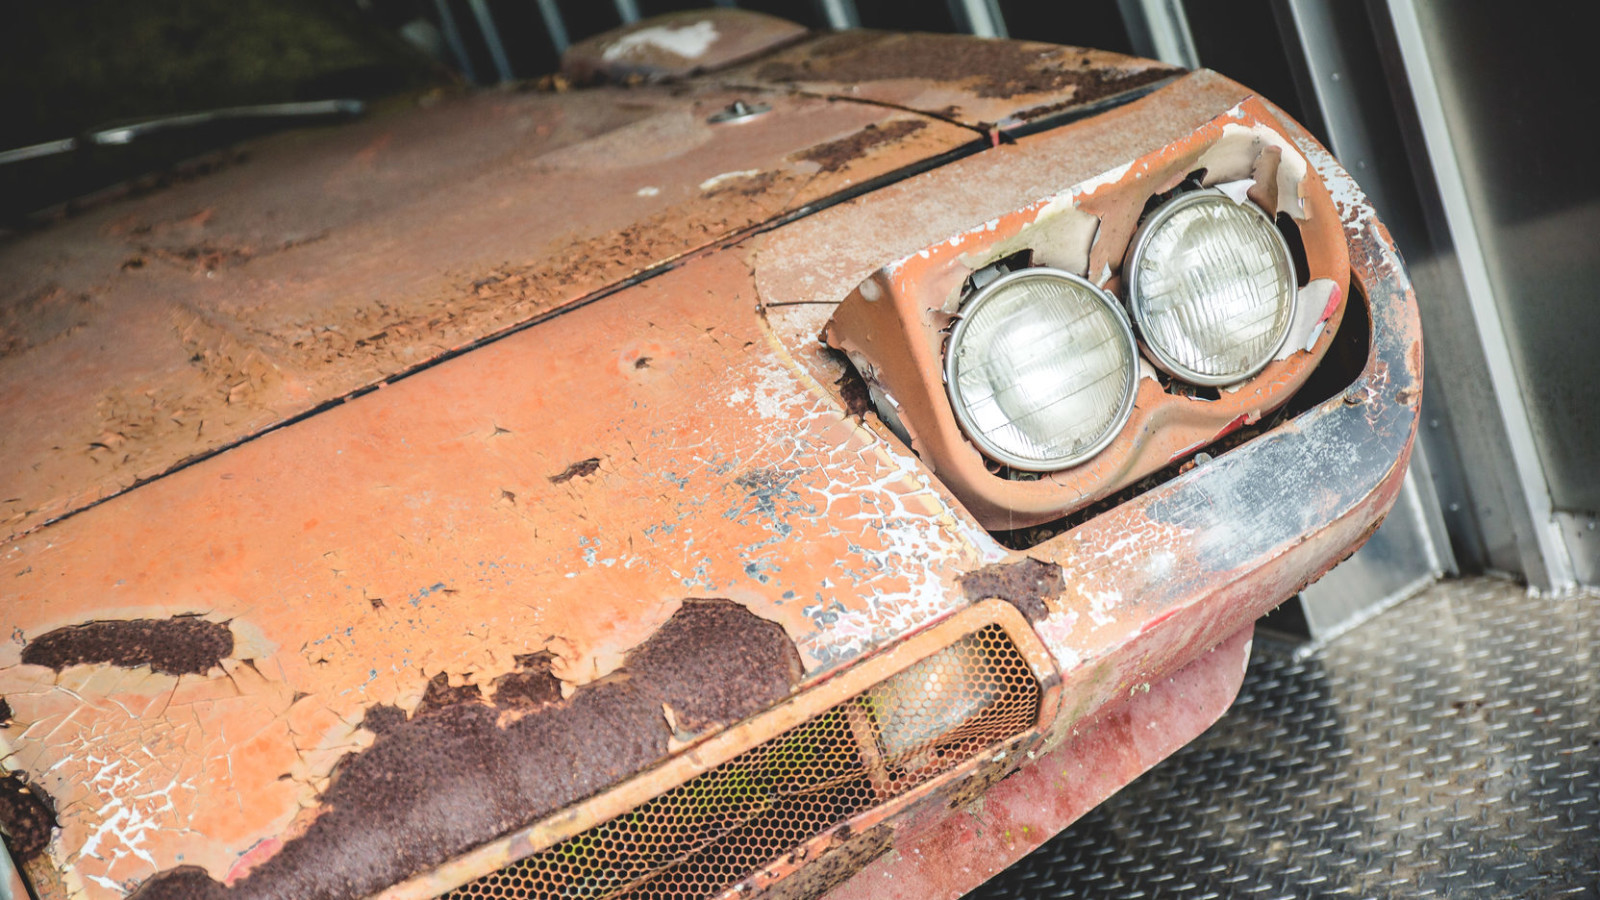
<point>780,502</point>
<point>424,529</point>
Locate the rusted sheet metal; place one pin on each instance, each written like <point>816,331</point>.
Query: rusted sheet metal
<point>728,744</point>
<point>548,503</point>
<point>677,45</point>
<point>984,84</point>
<point>948,853</point>
<point>1153,583</point>
<point>894,326</point>
<point>416,530</point>
<point>149,332</point>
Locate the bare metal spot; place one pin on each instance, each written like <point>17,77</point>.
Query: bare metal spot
<point>1026,584</point>
<point>182,645</point>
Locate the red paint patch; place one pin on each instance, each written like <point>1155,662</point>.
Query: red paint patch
<point>1334,296</point>
<point>258,853</point>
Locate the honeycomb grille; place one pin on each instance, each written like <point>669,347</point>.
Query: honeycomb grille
<point>721,826</point>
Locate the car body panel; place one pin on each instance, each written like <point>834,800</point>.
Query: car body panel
<point>993,85</point>
<point>549,509</point>
<point>144,334</point>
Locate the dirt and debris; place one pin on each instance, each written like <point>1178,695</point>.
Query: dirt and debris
<point>835,155</point>
<point>462,769</point>
<point>853,391</point>
<point>181,645</point>
<point>42,316</point>
<point>27,816</point>
<point>583,468</point>
<point>5,713</point>
<point>1026,584</point>
<point>991,69</point>
<point>846,855</point>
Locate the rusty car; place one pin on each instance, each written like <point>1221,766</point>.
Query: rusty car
<point>751,463</point>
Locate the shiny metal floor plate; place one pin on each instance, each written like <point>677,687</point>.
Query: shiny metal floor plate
<point>1450,747</point>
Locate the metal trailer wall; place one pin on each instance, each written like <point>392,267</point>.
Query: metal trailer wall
<point>1451,115</point>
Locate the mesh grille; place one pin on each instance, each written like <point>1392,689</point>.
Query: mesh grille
<point>721,826</point>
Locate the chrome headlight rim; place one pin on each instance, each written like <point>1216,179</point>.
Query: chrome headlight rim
<point>1136,252</point>
<point>952,383</point>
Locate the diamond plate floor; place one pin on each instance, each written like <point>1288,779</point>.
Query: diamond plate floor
<point>1449,747</point>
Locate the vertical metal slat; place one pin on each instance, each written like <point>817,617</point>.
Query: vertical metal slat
<point>839,14</point>
<point>1160,29</point>
<point>554,25</point>
<point>979,17</point>
<point>1548,563</point>
<point>491,37</point>
<point>452,37</point>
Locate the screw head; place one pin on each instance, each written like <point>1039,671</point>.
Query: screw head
<point>739,111</point>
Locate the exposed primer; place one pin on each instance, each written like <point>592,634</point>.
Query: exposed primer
<point>688,41</point>
<point>1232,157</point>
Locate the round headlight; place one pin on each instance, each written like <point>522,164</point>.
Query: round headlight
<point>1211,286</point>
<point>1042,369</point>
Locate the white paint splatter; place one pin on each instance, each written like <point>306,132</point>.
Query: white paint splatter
<point>688,41</point>
<point>716,180</point>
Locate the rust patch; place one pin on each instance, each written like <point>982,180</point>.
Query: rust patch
<point>440,694</point>
<point>462,770</point>
<point>186,882</point>
<point>833,866</point>
<point>712,658</point>
<point>988,774</point>
<point>835,155</point>
<point>181,645</point>
<point>27,817</point>
<point>583,468</point>
<point>5,713</point>
<point>531,686</point>
<point>383,718</point>
<point>992,69</point>
<point>1026,585</point>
